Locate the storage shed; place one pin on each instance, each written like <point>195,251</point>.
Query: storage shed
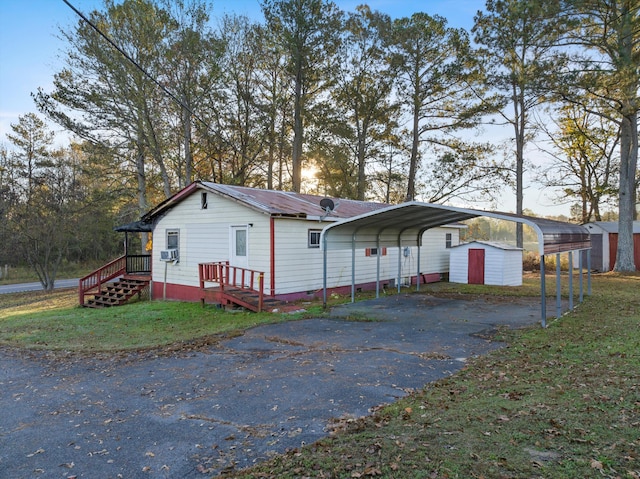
<point>485,262</point>
<point>604,241</point>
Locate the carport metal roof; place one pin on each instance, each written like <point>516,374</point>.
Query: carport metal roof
<point>404,224</point>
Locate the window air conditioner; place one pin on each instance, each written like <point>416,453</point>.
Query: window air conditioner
<point>169,255</point>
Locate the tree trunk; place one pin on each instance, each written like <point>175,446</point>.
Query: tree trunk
<point>296,157</point>
<point>626,199</point>
<point>413,162</point>
<point>188,157</point>
<point>142,188</point>
<point>361,166</point>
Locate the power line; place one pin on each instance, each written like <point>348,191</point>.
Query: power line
<point>134,63</point>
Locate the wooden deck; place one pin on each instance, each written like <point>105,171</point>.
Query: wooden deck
<point>241,297</point>
<point>227,285</point>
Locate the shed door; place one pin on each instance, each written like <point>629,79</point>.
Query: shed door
<point>476,266</point>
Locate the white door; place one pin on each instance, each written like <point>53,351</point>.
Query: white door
<point>239,255</point>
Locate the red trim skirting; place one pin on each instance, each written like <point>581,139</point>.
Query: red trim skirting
<point>178,292</point>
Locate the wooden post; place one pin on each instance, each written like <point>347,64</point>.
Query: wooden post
<point>260,292</point>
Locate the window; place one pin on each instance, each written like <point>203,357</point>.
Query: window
<point>314,238</point>
<point>374,251</point>
<point>203,200</point>
<point>173,239</point>
<point>241,242</point>
<point>447,242</point>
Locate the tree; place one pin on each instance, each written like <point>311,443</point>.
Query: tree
<point>275,97</point>
<point>362,95</point>
<point>33,142</point>
<point>585,166</point>
<point>39,221</point>
<point>518,38</point>
<point>242,130</point>
<point>307,30</point>
<point>608,70</point>
<point>435,71</point>
<point>192,68</point>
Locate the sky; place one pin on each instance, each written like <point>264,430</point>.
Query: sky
<point>30,50</point>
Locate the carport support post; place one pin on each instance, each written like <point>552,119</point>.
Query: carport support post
<point>543,292</point>
<point>378,266</point>
<point>324,270</point>
<point>580,266</point>
<point>353,268</point>
<point>570,280</point>
<point>399,263</point>
<point>418,267</point>
<point>558,288</point>
<point>589,272</point>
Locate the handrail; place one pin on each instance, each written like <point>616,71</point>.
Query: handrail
<point>224,274</point>
<point>95,279</point>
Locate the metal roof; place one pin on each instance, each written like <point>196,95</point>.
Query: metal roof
<point>493,244</point>
<point>609,226</point>
<point>272,202</point>
<point>406,222</point>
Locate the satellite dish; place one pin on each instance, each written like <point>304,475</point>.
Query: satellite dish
<point>327,204</point>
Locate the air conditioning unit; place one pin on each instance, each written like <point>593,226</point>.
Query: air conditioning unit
<point>169,255</point>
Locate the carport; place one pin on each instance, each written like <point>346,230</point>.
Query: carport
<point>403,225</point>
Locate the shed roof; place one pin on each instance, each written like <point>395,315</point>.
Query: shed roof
<point>492,244</point>
<point>406,223</point>
<point>609,226</point>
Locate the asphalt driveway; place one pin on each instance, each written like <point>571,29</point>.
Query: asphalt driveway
<point>195,413</point>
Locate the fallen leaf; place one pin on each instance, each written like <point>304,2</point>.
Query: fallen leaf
<point>39,451</point>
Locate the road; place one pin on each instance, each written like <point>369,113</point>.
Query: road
<point>22,287</point>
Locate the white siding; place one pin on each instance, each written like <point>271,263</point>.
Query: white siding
<point>205,237</point>
<point>459,265</point>
<point>300,268</point>
<point>502,267</point>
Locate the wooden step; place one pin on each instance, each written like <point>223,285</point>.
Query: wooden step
<point>118,293</point>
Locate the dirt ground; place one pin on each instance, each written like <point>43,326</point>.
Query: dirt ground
<point>195,413</point>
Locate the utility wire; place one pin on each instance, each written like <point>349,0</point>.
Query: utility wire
<point>134,63</point>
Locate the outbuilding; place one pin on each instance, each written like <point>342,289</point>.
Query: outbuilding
<point>604,241</point>
<point>485,262</point>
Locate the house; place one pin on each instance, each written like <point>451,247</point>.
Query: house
<point>485,262</point>
<point>273,236</point>
<point>604,244</point>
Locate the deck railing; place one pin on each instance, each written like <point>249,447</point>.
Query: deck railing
<point>226,276</point>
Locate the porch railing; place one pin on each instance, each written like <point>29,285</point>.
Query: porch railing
<point>226,276</point>
<point>129,264</point>
<point>139,264</point>
<point>92,283</point>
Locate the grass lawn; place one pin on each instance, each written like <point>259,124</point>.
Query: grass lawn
<point>54,321</point>
<point>561,402</point>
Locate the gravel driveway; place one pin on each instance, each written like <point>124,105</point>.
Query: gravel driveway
<point>194,413</point>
